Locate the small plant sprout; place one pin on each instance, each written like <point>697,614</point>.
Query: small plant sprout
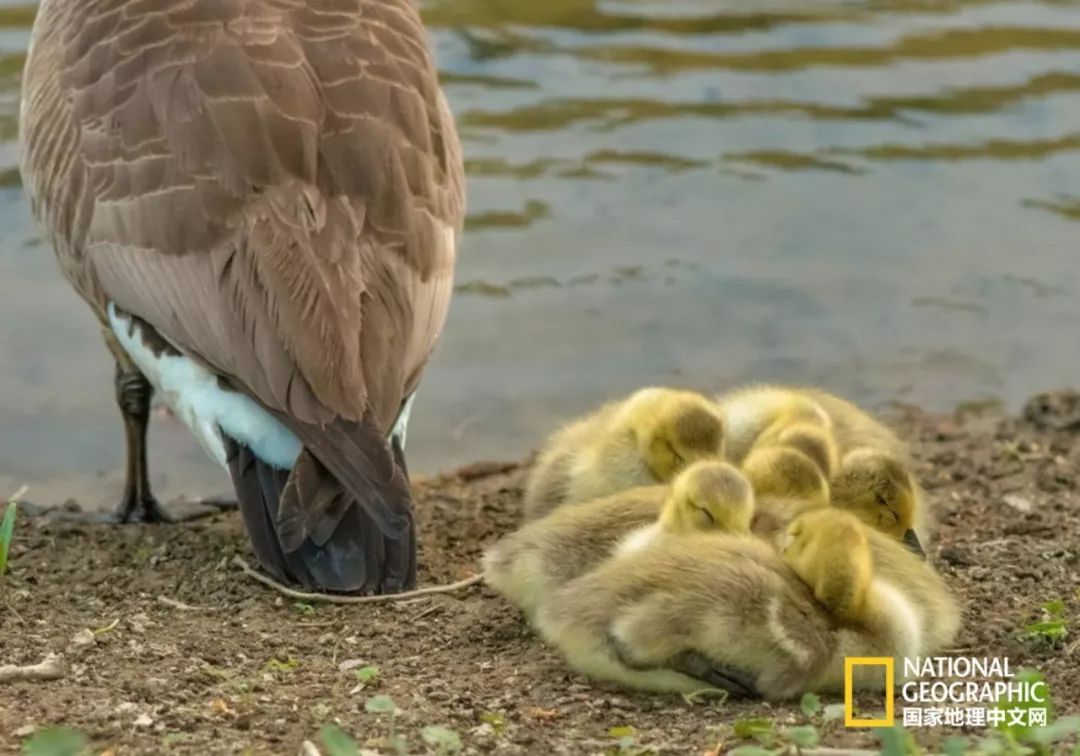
<point>367,675</point>
<point>276,665</point>
<point>833,712</point>
<point>896,741</point>
<point>625,737</point>
<point>7,532</point>
<point>55,741</point>
<point>773,742</point>
<point>337,742</point>
<point>496,721</point>
<point>442,739</point>
<point>810,704</point>
<point>758,728</point>
<point>381,705</point>
<point>954,746</point>
<point>1050,631</point>
<point>385,705</point>
<point>806,736</point>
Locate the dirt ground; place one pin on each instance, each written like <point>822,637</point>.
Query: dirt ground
<point>258,673</point>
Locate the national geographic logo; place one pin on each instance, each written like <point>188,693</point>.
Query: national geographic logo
<point>850,665</point>
<point>947,691</point>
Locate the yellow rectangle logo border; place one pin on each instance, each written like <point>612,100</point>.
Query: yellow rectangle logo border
<point>890,698</point>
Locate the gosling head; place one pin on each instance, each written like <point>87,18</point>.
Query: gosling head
<point>709,496</point>
<point>787,473</point>
<point>674,429</point>
<point>816,442</point>
<point>828,549</point>
<point>879,490</point>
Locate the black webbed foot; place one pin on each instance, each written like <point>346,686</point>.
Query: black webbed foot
<point>739,683</point>
<point>132,511</point>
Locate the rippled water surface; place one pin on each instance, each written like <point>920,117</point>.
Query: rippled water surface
<point>879,197</point>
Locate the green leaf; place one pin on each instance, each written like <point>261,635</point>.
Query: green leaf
<point>497,722</point>
<point>276,665</point>
<point>1020,732</point>
<point>895,741</point>
<point>804,737</point>
<point>954,746</point>
<point>833,712</point>
<point>758,728</point>
<point>55,741</point>
<point>304,609</point>
<point>991,745</point>
<point>367,674</point>
<point>381,705</point>
<point>1055,608</point>
<point>810,704</point>
<point>442,738</point>
<point>1055,731</point>
<point>1049,631</point>
<point>626,731</point>
<point>7,531</point>
<point>337,742</point>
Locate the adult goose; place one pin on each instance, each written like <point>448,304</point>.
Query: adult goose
<point>260,200</point>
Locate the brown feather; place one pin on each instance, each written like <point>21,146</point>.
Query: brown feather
<point>301,153</point>
<point>275,187</point>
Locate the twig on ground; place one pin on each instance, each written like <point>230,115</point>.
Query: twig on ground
<point>52,668</point>
<point>185,607</point>
<point>430,610</point>
<point>328,598</point>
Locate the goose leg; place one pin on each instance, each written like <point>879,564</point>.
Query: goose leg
<point>133,395</point>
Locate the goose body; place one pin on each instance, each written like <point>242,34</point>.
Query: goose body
<point>261,201</point>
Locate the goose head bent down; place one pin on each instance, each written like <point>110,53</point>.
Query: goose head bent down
<point>261,201</point>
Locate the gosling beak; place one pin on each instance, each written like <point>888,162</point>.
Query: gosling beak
<point>707,519</point>
<point>911,540</point>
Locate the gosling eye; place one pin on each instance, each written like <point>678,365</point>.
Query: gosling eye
<point>706,517</point>
<point>881,500</point>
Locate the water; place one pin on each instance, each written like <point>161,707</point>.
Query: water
<point>878,197</point>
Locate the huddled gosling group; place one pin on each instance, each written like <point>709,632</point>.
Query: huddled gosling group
<point>748,542</point>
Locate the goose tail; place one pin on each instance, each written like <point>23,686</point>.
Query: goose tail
<point>341,520</point>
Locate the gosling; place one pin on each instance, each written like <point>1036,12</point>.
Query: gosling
<point>527,565</point>
<point>642,440</point>
<point>868,469</point>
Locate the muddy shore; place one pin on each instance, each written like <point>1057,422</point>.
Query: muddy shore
<point>185,654</point>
